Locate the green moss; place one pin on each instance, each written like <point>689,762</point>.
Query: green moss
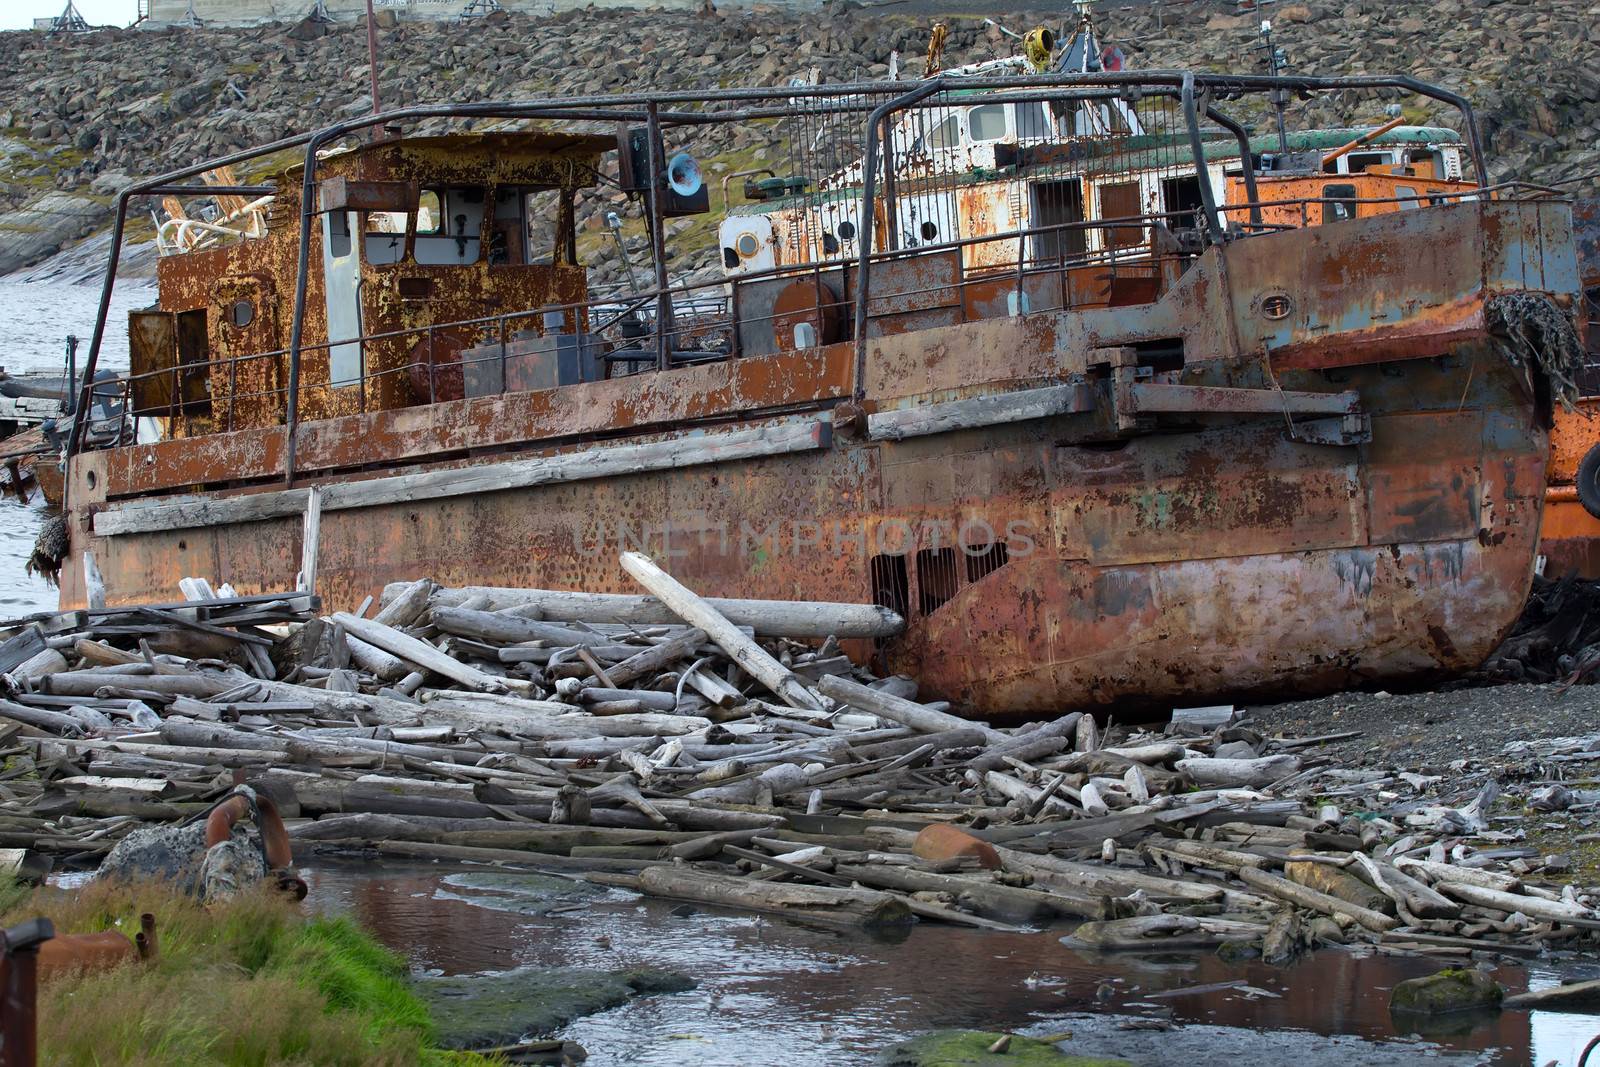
<point>253,982</point>
<point>969,1048</point>
<point>1451,990</point>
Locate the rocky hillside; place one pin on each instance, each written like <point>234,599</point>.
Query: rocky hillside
<point>79,113</point>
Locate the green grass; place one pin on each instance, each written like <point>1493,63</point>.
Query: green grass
<point>248,984</point>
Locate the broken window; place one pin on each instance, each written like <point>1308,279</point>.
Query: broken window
<point>890,588</point>
<point>1183,201</point>
<point>1056,204</point>
<point>1120,200</point>
<point>1338,203</point>
<point>384,236</point>
<point>450,226</point>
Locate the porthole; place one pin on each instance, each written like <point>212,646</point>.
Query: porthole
<point>242,313</point>
<point>1276,306</point>
<point>747,245</point>
<point>929,231</point>
<point>847,230</point>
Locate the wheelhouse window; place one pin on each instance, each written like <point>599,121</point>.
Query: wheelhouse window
<point>384,236</point>
<point>450,225</point>
<point>945,135</point>
<point>987,123</point>
<point>1032,121</point>
<point>1338,203</point>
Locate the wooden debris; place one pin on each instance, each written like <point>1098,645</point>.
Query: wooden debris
<point>729,754</point>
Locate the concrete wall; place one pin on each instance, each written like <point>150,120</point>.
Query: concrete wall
<point>244,12</point>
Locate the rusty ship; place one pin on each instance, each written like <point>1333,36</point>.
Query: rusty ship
<point>1111,398</point>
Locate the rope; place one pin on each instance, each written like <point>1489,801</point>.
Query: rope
<point>1534,334</point>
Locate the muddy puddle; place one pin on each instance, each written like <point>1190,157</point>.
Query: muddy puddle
<point>774,993</point>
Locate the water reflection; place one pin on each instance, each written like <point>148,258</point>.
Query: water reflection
<point>771,992</point>
<point>35,319</point>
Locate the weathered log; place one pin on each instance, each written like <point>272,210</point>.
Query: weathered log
<point>1159,933</point>
<point>1046,741</point>
<point>989,898</point>
<point>38,666</point>
<point>1238,772</point>
<point>1284,889</point>
<point>809,903</point>
<point>1557,911</point>
<point>656,657</point>
<point>905,712</point>
<point>418,652</point>
<point>774,618</point>
<point>693,609</point>
<point>408,600</point>
<point>510,629</point>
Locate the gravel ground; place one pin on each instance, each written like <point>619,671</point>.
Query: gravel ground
<point>1425,732</point>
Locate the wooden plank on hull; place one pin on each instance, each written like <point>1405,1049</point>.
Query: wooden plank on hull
<point>1015,406</point>
<point>188,512</point>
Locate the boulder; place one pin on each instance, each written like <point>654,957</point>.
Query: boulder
<point>1451,990</point>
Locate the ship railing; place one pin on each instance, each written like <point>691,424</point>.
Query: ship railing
<point>700,309</point>
<point>873,105</point>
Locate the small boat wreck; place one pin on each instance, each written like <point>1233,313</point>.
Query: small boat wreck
<point>1113,399</point>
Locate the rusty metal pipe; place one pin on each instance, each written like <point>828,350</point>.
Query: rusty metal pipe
<point>274,838</point>
<point>1243,137</point>
<point>19,1024</point>
<point>1208,195</point>
<point>1346,149</point>
<point>868,217</point>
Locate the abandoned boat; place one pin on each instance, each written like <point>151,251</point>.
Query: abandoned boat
<point>1111,400</point>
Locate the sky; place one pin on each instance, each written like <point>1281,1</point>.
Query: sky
<point>19,14</point>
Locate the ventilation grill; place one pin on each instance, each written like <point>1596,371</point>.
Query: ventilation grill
<point>889,586</point>
<point>984,560</point>
<point>937,578</point>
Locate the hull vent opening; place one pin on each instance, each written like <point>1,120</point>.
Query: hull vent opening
<point>890,588</point>
<point>937,578</point>
<point>984,560</point>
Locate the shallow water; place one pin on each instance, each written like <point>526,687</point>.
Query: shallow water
<point>35,319</point>
<point>771,992</point>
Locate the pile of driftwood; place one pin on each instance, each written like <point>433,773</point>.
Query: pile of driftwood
<point>729,752</point>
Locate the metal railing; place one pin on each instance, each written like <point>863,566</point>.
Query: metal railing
<point>820,124</point>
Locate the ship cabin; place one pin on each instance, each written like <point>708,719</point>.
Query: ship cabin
<point>418,247</point>
<point>1107,198</point>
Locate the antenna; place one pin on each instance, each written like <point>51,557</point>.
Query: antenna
<point>69,21</point>
<point>479,8</point>
<point>190,19</point>
<point>1277,60</point>
<point>319,12</point>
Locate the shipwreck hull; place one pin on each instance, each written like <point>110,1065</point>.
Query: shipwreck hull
<point>1058,533</point>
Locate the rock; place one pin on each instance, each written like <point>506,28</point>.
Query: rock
<point>969,1048</point>
<point>1239,951</point>
<point>1551,798</point>
<point>476,1011</point>
<point>109,183</point>
<point>1451,990</point>
<point>31,233</point>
